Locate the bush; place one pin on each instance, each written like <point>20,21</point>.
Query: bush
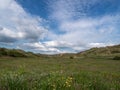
<point>16,53</point>
<point>71,57</point>
<point>116,58</point>
<point>3,51</point>
<point>115,51</point>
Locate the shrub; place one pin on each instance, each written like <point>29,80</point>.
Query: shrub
<point>115,51</point>
<point>116,58</point>
<point>3,51</point>
<point>12,52</point>
<point>15,53</point>
<point>71,57</point>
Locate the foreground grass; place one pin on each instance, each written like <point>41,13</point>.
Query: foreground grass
<point>59,74</point>
<point>21,80</point>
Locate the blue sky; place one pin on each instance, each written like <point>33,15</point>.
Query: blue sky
<point>59,26</point>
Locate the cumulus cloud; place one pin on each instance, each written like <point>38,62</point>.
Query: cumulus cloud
<point>39,48</point>
<point>99,44</point>
<point>57,44</point>
<point>16,24</point>
<point>9,36</point>
<point>81,30</point>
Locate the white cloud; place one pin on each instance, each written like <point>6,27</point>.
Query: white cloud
<point>99,44</point>
<point>82,31</point>
<point>57,44</point>
<point>39,47</point>
<point>12,34</point>
<point>4,3</point>
<point>19,24</point>
<point>67,9</point>
<point>64,47</point>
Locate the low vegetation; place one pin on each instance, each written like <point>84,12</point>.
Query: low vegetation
<point>103,51</point>
<point>116,58</point>
<point>21,70</point>
<point>15,53</point>
<point>59,81</point>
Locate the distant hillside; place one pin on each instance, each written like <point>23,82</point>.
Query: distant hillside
<point>102,51</point>
<point>15,53</point>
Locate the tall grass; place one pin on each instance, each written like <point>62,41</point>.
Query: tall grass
<point>22,80</point>
<point>13,80</point>
<point>59,73</point>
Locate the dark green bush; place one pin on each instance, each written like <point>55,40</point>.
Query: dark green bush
<point>3,51</point>
<point>116,58</point>
<point>71,57</point>
<point>115,51</point>
<point>15,53</point>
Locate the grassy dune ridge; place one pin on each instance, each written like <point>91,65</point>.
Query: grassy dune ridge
<point>84,71</point>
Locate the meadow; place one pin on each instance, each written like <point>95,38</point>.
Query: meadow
<point>59,73</point>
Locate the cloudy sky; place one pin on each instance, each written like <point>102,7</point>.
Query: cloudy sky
<point>59,26</point>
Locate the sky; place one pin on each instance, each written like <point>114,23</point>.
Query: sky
<point>59,26</point>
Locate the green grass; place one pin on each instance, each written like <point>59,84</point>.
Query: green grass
<point>60,81</point>
<point>59,73</point>
<point>94,69</point>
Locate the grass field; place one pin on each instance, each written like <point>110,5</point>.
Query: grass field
<point>59,73</point>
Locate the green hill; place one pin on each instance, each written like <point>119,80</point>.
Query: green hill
<point>15,53</point>
<point>108,51</point>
